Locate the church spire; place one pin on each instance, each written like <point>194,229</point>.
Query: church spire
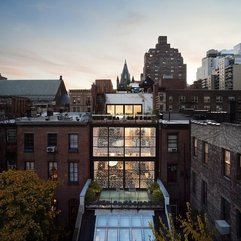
<point>125,78</point>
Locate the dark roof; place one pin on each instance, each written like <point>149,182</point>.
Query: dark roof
<point>33,89</point>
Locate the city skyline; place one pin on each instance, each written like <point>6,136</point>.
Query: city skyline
<point>88,40</point>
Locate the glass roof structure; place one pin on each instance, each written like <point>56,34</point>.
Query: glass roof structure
<point>123,225</point>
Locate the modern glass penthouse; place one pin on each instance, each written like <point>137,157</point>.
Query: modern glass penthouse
<point>124,156</point>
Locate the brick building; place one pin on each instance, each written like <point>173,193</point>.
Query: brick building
<point>174,161</point>
<point>165,66</point>
<point>98,91</point>
<point>80,100</point>
<point>209,100</point>
<point>8,145</point>
<point>216,175</point>
<point>116,153</point>
<point>14,106</point>
<point>56,147</point>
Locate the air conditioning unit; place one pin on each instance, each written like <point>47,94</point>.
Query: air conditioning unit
<point>172,149</point>
<point>51,149</point>
<point>222,226</point>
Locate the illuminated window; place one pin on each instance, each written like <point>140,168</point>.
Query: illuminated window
<point>52,170</point>
<point>226,163</point>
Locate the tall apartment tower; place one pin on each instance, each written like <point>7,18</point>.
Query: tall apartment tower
<point>164,65</point>
<point>221,69</point>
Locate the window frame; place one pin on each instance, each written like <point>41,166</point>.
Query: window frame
<point>195,98</point>
<point>29,165</point>
<point>225,209</point>
<point>72,178</point>
<point>11,136</point>
<point>204,194</point>
<point>51,165</point>
<point>205,152</point>
<point>194,183</point>
<point>28,142</point>
<point>52,139</point>
<point>226,163</point>
<point>195,146</point>
<point>73,145</point>
<point>172,144</point>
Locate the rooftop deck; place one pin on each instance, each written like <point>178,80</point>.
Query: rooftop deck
<point>124,199</point>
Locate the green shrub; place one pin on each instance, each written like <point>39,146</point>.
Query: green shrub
<point>95,187</point>
<point>157,196</point>
<point>153,186</point>
<point>90,195</point>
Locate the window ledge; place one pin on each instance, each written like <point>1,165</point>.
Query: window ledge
<point>73,150</point>
<point>73,183</point>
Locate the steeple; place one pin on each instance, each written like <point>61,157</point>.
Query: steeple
<point>125,78</point>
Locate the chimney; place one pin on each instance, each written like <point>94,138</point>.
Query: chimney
<point>60,77</point>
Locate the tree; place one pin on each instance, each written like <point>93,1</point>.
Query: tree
<point>192,227</point>
<point>27,209</point>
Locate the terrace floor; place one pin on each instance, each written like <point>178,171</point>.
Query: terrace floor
<point>124,195</point>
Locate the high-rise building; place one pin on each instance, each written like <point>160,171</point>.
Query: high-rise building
<point>221,69</point>
<point>165,66</point>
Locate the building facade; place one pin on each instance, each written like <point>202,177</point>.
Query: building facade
<point>221,69</point>
<point>165,66</point>
<point>80,100</point>
<point>174,162</point>
<point>56,149</point>
<point>208,100</point>
<point>43,94</point>
<point>14,106</point>
<point>216,175</point>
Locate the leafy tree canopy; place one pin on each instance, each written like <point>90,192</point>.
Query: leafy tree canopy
<point>26,206</point>
<point>192,227</point>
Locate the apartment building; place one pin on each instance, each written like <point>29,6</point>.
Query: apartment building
<point>221,69</point>
<point>80,100</point>
<point>216,175</point>
<point>207,100</point>
<point>164,65</point>
<point>57,147</point>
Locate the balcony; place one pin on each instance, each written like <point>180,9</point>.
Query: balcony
<point>108,118</point>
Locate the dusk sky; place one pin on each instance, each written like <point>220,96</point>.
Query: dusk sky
<point>84,40</point>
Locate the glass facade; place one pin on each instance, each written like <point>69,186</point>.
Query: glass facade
<point>124,157</point>
<point>124,141</point>
<point>124,109</point>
